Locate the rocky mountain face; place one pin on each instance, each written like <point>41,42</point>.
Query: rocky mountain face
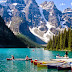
<point>43,21</point>
<point>51,13</point>
<point>67,17</point>
<point>4,13</point>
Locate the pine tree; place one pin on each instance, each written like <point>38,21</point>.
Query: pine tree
<point>62,41</point>
<point>48,45</point>
<point>57,47</point>
<point>53,43</point>
<point>69,40</point>
<point>61,45</point>
<point>64,38</point>
<point>59,41</point>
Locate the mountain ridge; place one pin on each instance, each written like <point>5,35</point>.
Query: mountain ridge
<point>42,21</point>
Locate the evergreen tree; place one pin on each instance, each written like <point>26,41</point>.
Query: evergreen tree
<point>53,44</point>
<point>64,38</point>
<point>69,40</point>
<point>48,45</point>
<point>61,41</point>
<point>55,41</point>
<point>61,45</point>
<point>57,47</point>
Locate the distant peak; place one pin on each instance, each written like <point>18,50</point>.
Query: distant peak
<point>51,2</point>
<point>67,10</point>
<point>45,2</point>
<point>48,5</point>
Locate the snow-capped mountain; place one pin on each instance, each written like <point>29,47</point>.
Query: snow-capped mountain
<point>43,21</point>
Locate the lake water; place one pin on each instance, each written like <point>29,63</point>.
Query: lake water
<point>26,66</point>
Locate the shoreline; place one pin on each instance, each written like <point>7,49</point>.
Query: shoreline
<point>57,50</point>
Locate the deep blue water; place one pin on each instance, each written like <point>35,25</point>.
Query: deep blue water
<point>26,66</point>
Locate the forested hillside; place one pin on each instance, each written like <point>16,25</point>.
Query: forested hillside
<point>27,41</point>
<point>63,41</point>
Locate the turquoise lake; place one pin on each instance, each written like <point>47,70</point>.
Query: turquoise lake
<point>26,66</point>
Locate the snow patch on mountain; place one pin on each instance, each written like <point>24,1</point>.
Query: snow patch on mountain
<point>51,13</point>
<point>22,10</point>
<point>41,11</point>
<point>9,24</point>
<point>32,31</point>
<point>59,17</point>
<point>14,4</point>
<point>10,10</point>
<point>10,14</point>
<point>47,23</point>
<point>66,11</point>
<point>45,36</point>
<point>48,33</point>
<point>62,23</point>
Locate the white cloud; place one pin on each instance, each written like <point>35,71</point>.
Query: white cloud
<point>71,3</point>
<point>62,4</point>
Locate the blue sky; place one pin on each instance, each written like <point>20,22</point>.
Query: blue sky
<point>60,4</point>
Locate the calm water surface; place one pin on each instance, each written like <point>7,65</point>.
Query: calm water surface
<point>26,66</point>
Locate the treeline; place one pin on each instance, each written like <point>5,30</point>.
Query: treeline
<point>62,41</point>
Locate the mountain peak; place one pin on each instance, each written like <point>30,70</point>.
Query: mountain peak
<point>29,1</point>
<point>67,10</point>
<point>46,2</point>
<point>51,2</point>
<point>48,5</point>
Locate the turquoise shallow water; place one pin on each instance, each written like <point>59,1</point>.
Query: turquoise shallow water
<point>26,66</point>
